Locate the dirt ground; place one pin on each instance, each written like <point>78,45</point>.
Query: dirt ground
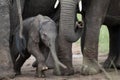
<point>28,72</point>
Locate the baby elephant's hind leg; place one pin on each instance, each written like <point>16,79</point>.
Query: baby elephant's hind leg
<point>33,48</point>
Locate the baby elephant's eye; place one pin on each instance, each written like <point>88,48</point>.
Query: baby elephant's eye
<point>45,35</point>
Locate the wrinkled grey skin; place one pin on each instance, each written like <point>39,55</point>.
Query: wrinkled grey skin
<point>39,34</point>
<point>67,33</point>
<point>6,65</point>
<point>95,13</point>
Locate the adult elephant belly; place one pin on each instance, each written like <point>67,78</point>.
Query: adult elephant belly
<point>113,13</point>
<point>35,7</point>
<point>112,20</point>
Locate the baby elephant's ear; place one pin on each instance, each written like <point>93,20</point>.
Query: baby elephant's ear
<point>43,35</point>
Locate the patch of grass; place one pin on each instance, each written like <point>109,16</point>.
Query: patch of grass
<point>103,40</point>
<point>79,17</point>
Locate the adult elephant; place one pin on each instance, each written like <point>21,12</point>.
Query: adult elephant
<point>95,13</point>
<point>66,34</point>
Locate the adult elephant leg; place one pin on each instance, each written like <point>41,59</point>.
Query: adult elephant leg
<point>93,20</point>
<point>114,47</point>
<point>117,60</point>
<point>65,55</point>
<point>67,34</point>
<point>90,50</point>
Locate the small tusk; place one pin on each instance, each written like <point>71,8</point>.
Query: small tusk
<point>56,4</point>
<point>80,6</point>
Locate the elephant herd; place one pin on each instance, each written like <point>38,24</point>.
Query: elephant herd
<point>94,14</point>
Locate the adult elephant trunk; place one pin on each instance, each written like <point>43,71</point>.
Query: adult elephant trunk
<point>67,20</point>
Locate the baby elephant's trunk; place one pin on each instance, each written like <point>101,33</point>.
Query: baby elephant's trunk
<point>58,64</point>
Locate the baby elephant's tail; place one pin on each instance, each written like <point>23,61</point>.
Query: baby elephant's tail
<point>20,44</point>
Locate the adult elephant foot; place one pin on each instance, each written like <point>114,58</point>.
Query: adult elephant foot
<point>117,65</point>
<point>112,62</point>
<point>64,72</point>
<point>109,63</point>
<point>89,67</point>
<point>117,61</point>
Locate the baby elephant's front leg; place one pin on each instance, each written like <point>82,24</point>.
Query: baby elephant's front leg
<point>33,48</point>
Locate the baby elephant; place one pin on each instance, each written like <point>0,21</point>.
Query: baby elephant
<point>39,33</point>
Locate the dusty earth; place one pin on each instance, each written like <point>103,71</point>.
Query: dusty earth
<point>28,72</point>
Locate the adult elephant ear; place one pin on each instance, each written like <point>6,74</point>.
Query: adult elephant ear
<point>68,19</point>
<point>21,43</point>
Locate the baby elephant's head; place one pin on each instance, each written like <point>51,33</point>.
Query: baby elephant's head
<point>48,33</point>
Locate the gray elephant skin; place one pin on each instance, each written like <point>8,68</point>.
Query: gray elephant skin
<point>95,13</point>
<point>6,65</point>
<point>64,16</point>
